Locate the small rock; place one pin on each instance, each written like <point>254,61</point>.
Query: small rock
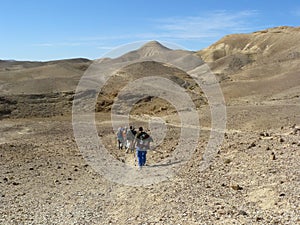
<point>273,156</point>
<point>236,187</point>
<point>57,181</point>
<point>264,134</point>
<point>15,183</point>
<point>243,213</point>
<point>281,140</point>
<point>252,145</point>
<point>282,195</point>
<point>259,218</point>
<point>5,179</point>
<point>227,161</point>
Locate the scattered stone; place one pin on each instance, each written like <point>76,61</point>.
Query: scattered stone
<point>259,218</point>
<point>31,168</point>
<point>69,178</point>
<point>5,179</point>
<point>252,145</point>
<point>296,129</point>
<point>273,156</point>
<point>243,213</point>
<point>268,148</point>
<point>227,161</point>
<point>15,183</point>
<point>236,187</point>
<point>281,140</point>
<point>282,195</point>
<point>264,134</point>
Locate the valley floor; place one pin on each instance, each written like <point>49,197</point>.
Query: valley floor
<point>254,179</point>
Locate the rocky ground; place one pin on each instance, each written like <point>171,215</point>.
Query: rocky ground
<point>253,180</point>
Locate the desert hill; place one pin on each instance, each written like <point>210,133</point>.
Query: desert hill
<point>38,88</point>
<point>48,87</point>
<point>19,77</point>
<point>149,68</point>
<point>265,63</point>
<point>272,45</point>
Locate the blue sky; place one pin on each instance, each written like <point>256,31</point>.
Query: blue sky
<point>58,29</point>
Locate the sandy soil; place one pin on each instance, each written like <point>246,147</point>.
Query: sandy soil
<point>253,180</point>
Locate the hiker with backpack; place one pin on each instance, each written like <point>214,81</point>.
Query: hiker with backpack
<point>124,135</point>
<point>120,137</point>
<point>142,142</point>
<point>130,135</point>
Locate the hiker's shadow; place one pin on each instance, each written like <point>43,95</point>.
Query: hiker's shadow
<point>166,164</point>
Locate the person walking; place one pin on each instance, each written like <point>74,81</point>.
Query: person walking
<point>130,138</point>
<point>120,137</point>
<point>142,142</point>
<point>124,134</point>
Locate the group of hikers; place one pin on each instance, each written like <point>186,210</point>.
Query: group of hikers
<point>130,139</point>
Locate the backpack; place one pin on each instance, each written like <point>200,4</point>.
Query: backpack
<point>144,140</point>
<point>130,134</point>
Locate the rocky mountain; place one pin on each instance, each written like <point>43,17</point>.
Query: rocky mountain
<point>273,45</point>
<point>265,63</point>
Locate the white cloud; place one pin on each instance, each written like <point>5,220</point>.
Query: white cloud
<point>105,47</point>
<point>44,45</point>
<point>209,25</point>
<point>55,44</point>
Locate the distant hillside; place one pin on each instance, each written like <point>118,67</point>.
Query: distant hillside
<point>255,68</point>
<point>23,77</point>
<point>146,69</point>
<point>264,64</point>
<point>280,43</point>
<point>47,88</point>
<point>38,88</point>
